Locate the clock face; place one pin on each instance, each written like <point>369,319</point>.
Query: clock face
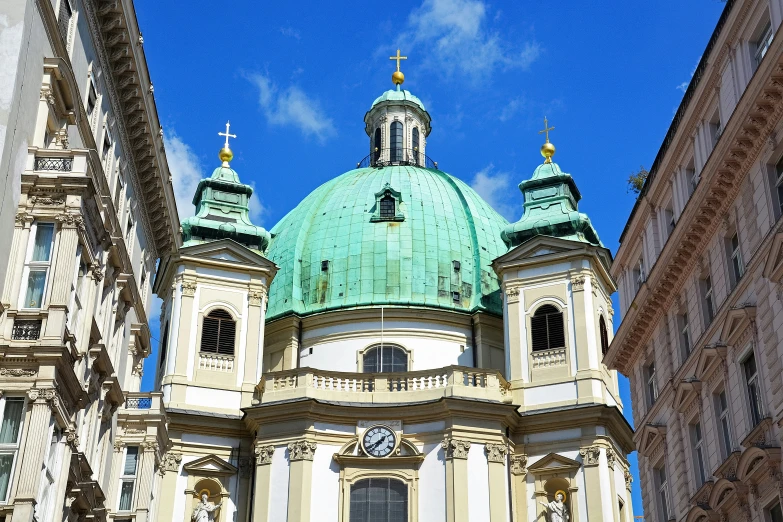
<point>379,441</point>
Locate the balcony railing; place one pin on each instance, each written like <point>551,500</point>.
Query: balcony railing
<point>215,362</point>
<point>457,381</point>
<point>397,156</point>
<point>138,403</point>
<point>26,330</point>
<point>549,358</point>
<point>53,164</point>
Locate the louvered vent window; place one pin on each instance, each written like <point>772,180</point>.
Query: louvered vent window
<point>218,333</point>
<point>547,328</point>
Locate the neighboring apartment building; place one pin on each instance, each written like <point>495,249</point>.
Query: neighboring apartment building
<point>87,209</point>
<point>700,275</point>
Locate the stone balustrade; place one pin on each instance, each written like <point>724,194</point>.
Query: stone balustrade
<point>451,381</point>
<point>549,358</point>
<point>215,362</point>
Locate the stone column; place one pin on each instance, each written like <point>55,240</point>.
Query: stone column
<point>261,500</point>
<point>591,457</point>
<point>21,238</point>
<point>62,270</point>
<point>628,498</point>
<point>183,337</point>
<point>116,465</point>
<point>170,464</point>
<point>518,469</point>
<point>456,453</point>
<point>611,459</point>
<point>94,277</point>
<point>33,453</point>
<point>300,481</point>
<point>517,345</point>
<point>253,345</point>
<point>146,475</point>
<point>496,461</point>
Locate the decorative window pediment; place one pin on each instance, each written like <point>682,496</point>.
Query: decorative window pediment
<point>211,465</point>
<point>773,268</point>
<point>687,392</point>
<point>710,355</point>
<point>553,464</point>
<point>652,439</point>
<point>737,324</point>
<point>387,205</point>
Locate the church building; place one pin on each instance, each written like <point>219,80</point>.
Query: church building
<point>392,350</point>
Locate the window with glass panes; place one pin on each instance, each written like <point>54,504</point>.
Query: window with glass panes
<point>10,433</point>
<point>724,423</point>
<point>753,387</point>
<point>652,384</point>
<point>77,292</point>
<point>736,258</point>
<point>396,141</point>
<point>663,493</point>
<point>415,139</point>
<point>709,306</point>
<point>47,490</point>
<point>697,445</point>
<point>387,210</point>
<point>39,260</point>
<point>685,335</point>
<point>775,513</point>
<point>379,500</point>
<point>128,478</point>
<point>384,359</point>
<point>762,44</point>
<point>778,179</point>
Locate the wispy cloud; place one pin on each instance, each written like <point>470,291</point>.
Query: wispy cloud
<point>495,187</point>
<point>456,35</point>
<point>684,85</point>
<point>186,172</point>
<point>511,109</point>
<point>291,106</point>
<point>290,32</point>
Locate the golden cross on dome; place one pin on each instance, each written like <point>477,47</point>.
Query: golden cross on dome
<point>398,58</point>
<point>546,129</point>
<point>226,134</point>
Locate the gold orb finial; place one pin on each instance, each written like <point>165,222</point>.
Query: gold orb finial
<point>398,78</point>
<point>547,149</point>
<point>225,155</point>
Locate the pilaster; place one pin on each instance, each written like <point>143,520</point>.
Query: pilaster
<point>611,460</point>
<point>515,340</point>
<point>185,317</point>
<point>261,500</point>
<point>146,476</point>
<point>456,453</point>
<point>496,461</point>
<point>518,470</point>
<point>300,482</point>
<point>21,238</point>
<point>591,458</point>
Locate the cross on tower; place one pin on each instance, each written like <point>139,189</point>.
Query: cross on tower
<point>226,134</point>
<point>398,58</point>
<point>546,129</point>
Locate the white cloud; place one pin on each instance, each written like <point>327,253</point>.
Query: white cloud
<point>186,172</point>
<point>511,109</point>
<point>292,107</point>
<point>684,85</point>
<point>456,36</point>
<point>495,188</point>
<point>290,32</point>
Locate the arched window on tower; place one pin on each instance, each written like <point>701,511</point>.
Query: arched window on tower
<point>415,137</point>
<point>377,146</point>
<point>604,335</point>
<point>396,141</point>
<point>385,358</point>
<point>218,333</point>
<point>379,498</point>
<point>546,328</point>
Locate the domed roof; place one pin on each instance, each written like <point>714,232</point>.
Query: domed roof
<point>395,95</point>
<point>334,251</point>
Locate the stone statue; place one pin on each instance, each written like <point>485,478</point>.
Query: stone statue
<point>205,510</point>
<point>557,511</point>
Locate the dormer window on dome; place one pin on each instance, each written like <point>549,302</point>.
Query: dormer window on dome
<point>387,205</point>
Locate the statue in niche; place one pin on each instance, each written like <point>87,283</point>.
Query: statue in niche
<point>205,510</point>
<point>557,510</point>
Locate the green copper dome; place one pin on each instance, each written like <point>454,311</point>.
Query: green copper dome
<point>398,235</point>
<point>551,209</point>
<point>398,95</point>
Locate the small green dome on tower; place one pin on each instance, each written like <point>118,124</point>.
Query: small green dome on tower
<point>399,96</point>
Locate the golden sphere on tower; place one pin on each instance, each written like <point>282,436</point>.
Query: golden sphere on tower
<point>547,150</point>
<point>225,154</point>
<point>398,77</point>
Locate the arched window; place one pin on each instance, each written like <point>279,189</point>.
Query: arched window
<point>415,137</point>
<point>387,210</point>
<point>396,141</point>
<point>377,145</point>
<point>604,335</point>
<point>385,359</point>
<point>546,327</point>
<point>218,333</point>
<point>379,499</point>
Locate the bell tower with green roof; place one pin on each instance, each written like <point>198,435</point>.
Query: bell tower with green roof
<point>222,208</point>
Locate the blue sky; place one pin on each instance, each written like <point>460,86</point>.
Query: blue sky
<point>296,78</point>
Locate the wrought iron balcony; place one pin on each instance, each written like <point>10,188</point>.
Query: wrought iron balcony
<point>138,403</point>
<point>397,156</point>
<point>26,330</point>
<point>53,164</point>
<point>451,381</point>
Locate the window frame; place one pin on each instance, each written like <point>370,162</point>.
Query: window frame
<point>37,266</point>
<point>651,384</point>
<point>723,420</point>
<point>50,472</point>
<point>736,264</point>
<point>753,390</point>
<point>396,153</point>
<point>696,434</point>
<point>232,319</point>
<point>546,315</point>
<point>762,43</point>
<point>128,478</point>
<point>12,448</point>
<point>389,479</point>
<point>708,299</point>
<point>684,340</point>
<point>663,499</point>
<point>603,333</point>
<point>366,351</point>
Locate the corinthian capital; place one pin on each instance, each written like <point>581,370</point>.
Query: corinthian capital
<point>455,448</point>
<point>263,454</point>
<point>301,450</point>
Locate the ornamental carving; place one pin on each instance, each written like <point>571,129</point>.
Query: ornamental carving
<point>24,217</point>
<point>590,455</point>
<point>264,454</point>
<point>72,438</point>
<point>628,480</point>
<point>47,96</point>
<point>301,450</point>
<point>97,273</point>
<point>455,448</point>
<point>46,200</point>
<point>512,294</point>
<point>171,461</point>
<point>496,452</point>
<point>118,445</point>
<point>189,288</point>
<point>150,445</point>
<point>578,283</point>
<point>71,221</point>
<point>611,457</point>
<point>255,297</point>
<point>47,394</point>
<point>519,465</point>
<point>17,372</point>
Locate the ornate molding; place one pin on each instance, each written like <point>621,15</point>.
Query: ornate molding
<point>578,283</point>
<point>47,200</point>
<point>496,452</point>
<point>455,448</point>
<point>72,438</point>
<point>590,455</point>
<point>150,445</point>
<point>628,480</point>
<point>24,218</point>
<point>171,461</point>
<point>188,288</point>
<point>245,465</point>
<point>512,294</point>
<point>519,465</point>
<point>263,454</point>
<point>68,220</point>
<point>255,297</point>
<point>45,394</point>
<point>301,450</point>
<point>97,273</point>
<point>118,445</point>
<point>611,457</point>
<point>17,372</point>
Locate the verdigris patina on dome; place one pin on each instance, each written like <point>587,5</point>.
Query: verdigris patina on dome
<point>332,254</point>
<point>401,95</point>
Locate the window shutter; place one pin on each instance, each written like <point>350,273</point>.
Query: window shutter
<point>538,332</point>
<point>546,328</point>
<point>218,333</point>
